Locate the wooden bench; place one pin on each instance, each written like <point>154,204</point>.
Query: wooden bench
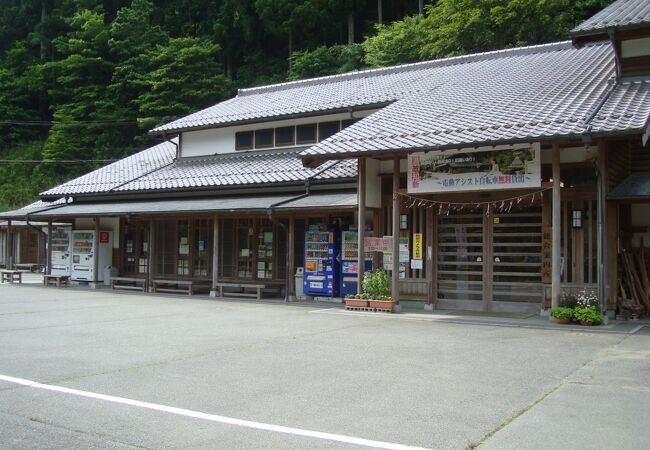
<point>12,276</point>
<point>241,292</point>
<point>136,284</point>
<point>56,280</point>
<point>188,287</point>
<point>32,267</point>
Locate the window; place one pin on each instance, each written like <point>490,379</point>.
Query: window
<point>346,123</point>
<point>244,140</point>
<point>285,136</point>
<point>264,138</point>
<point>327,129</point>
<point>183,244</point>
<point>306,134</point>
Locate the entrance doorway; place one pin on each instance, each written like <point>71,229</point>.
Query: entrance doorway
<point>490,262</point>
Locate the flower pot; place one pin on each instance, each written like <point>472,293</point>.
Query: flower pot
<point>356,302</point>
<point>383,304</point>
<point>563,321</point>
<point>586,323</point>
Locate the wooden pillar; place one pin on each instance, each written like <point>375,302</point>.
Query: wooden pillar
<point>430,256</point>
<point>291,258</point>
<point>96,268</point>
<point>216,247</point>
<point>361,222</point>
<point>9,260</point>
<point>48,246</point>
<point>604,256</point>
<point>395,274</point>
<point>557,229</point>
<point>151,266</point>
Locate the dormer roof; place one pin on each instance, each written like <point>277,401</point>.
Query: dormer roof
<point>621,15</point>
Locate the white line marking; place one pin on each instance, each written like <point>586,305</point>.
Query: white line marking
<point>212,417</point>
<point>636,329</point>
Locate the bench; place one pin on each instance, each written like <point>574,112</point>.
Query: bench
<point>32,267</point>
<point>136,284</point>
<point>56,280</point>
<point>241,292</point>
<point>188,287</point>
<point>12,276</point>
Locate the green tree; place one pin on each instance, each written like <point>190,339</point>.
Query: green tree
<point>326,61</point>
<point>398,43</point>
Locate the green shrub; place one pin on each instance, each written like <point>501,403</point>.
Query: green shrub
<point>561,313</point>
<point>376,284</point>
<point>568,301</point>
<point>588,314</point>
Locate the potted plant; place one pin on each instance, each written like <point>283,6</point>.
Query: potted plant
<point>562,315</point>
<point>376,285</point>
<point>588,315</point>
<point>356,301</point>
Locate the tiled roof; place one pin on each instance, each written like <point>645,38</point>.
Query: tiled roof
<point>622,14</point>
<point>324,94</point>
<point>626,108</point>
<point>238,169</point>
<point>113,175</point>
<point>549,92</point>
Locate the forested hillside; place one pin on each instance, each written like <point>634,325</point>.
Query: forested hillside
<point>81,81</point>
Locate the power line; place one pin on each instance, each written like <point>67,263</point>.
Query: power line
<point>56,161</point>
<point>49,123</point>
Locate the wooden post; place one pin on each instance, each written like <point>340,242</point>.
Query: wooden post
<point>95,282</point>
<point>557,229</point>
<point>9,262</point>
<point>395,274</point>
<point>48,243</point>
<point>602,253</point>
<point>361,223</point>
<point>151,266</point>
<point>291,258</point>
<point>216,247</point>
<point>430,257</point>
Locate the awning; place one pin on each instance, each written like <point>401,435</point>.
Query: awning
<point>257,203</point>
<point>633,187</point>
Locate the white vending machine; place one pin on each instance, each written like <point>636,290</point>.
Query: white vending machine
<point>60,244</point>
<point>84,254</point>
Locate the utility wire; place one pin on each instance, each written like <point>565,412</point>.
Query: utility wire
<point>49,123</point>
<point>56,161</point>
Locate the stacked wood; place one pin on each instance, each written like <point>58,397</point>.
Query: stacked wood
<point>634,284</point>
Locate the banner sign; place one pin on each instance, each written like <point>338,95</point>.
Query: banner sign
<point>475,169</point>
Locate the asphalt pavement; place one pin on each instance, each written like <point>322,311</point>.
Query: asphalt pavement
<point>98,369</point>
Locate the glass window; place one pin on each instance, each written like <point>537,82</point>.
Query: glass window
<point>264,138</point>
<point>327,129</point>
<point>306,134</point>
<point>244,140</point>
<point>346,123</point>
<point>201,247</point>
<point>285,136</point>
<point>182,261</point>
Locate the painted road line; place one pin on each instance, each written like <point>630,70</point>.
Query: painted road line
<point>212,417</point>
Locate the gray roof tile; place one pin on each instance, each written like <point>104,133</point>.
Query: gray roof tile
<point>550,91</point>
<point>622,14</point>
<point>111,176</point>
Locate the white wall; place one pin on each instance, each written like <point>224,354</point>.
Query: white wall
<point>222,140</point>
<point>373,183</point>
<point>105,224</point>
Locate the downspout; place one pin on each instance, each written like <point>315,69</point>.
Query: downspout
<point>269,213</point>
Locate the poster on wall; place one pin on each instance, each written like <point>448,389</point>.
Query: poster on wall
<point>475,169</point>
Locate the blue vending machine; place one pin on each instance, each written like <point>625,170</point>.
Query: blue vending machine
<point>350,262</point>
<point>322,248</point>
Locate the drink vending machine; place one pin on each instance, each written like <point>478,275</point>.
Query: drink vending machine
<point>322,250</point>
<point>84,254</point>
<point>59,243</point>
<point>350,262</point>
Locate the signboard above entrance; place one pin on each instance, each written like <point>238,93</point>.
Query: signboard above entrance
<point>475,169</point>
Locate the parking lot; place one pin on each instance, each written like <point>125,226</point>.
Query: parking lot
<point>97,369</point>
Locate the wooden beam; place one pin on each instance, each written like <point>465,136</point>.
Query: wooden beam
<point>557,230</point>
<point>361,222</point>
<point>291,259</point>
<point>395,274</point>
<point>216,248</point>
<point>48,261</point>
<point>151,266</point>
<point>430,256</point>
<point>603,253</point>
<point>95,283</point>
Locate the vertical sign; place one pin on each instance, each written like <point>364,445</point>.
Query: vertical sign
<point>417,245</point>
<point>547,254</point>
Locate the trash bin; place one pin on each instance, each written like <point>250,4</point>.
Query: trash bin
<point>109,271</point>
<point>300,292</point>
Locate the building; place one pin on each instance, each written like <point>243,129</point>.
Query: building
<point>503,178</point>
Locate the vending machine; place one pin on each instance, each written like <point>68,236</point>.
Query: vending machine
<point>84,254</point>
<point>59,243</point>
<point>350,262</point>
<point>322,252</point>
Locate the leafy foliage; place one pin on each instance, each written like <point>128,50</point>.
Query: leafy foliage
<point>589,314</point>
<point>376,284</point>
<point>561,313</point>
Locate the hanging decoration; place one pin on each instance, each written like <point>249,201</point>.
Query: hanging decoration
<point>442,207</point>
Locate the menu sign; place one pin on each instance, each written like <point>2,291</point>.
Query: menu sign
<point>474,169</point>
